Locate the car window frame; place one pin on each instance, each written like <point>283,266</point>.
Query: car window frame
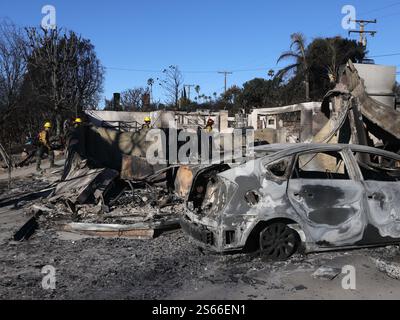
<point>357,165</point>
<point>353,176</point>
<point>287,175</point>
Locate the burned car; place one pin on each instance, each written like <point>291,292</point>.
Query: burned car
<point>304,197</point>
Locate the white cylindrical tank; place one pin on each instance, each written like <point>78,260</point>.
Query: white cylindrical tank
<point>379,82</point>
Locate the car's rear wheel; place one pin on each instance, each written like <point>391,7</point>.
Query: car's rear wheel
<point>278,241</point>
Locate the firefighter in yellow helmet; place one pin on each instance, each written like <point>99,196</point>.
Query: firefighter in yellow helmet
<point>44,146</point>
<point>77,122</point>
<point>209,126</point>
<point>147,123</point>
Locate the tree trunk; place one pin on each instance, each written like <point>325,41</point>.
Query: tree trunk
<point>307,81</point>
<point>151,94</point>
<point>78,110</point>
<point>58,124</point>
<point>176,97</point>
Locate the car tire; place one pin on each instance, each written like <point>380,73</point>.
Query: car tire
<point>278,241</point>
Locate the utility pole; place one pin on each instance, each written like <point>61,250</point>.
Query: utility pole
<point>225,73</point>
<point>363,33</point>
<point>188,86</point>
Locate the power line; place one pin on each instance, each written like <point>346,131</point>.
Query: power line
<point>184,71</point>
<point>225,73</point>
<point>385,55</point>
<point>382,8</point>
<point>374,10</point>
<point>232,70</point>
<point>256,69</point>
<point>253,69</point>
<point>153,71</point>
<point>390,15</point>
<point>157,71</point>
<point>191,71</point>
<point>133,70</point>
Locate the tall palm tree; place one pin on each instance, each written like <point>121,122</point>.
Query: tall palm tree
<point>150,83</point>
<point>298,53</point>
<point>197,89</point>
<point>201,98</point>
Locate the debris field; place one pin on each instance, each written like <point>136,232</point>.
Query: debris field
<point>108,221</point>
<point>170,266</point>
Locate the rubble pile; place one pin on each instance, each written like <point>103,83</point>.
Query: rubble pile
<point>138,206</point>
<point>95,200</point>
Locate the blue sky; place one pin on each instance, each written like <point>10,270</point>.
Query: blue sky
<point>206,36</point>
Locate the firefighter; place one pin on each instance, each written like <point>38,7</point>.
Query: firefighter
<point>44,146</point>
<point>77,122</point>
<point>209,126</point>
<point>147,123</point>
<point>209,140</point>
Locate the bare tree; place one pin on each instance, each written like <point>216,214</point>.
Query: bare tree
<point>131,99</point>
<point>64,70</point>
<point>12,71</point>
<point>89,77</point>
<point>171,83</point>
<point>150,83</point>
<point>12,64</point>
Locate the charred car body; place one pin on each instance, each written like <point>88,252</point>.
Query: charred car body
<point>308,197</point>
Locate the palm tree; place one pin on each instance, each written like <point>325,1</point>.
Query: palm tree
<point>197,89</point>
<point>150,83</point>
<point>333,67</point>
<point>202,97</point>
<point>298,53</point>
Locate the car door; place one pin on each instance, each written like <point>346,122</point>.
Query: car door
<point>381,178</point>
<point>326,194</point>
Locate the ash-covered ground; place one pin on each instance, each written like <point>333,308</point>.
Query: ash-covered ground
<point>98,268</point>
<point>171,266</point>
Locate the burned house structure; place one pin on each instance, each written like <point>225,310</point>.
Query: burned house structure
<point>287,124</point>
<point>356,116</point>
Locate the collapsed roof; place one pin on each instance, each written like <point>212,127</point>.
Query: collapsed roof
<point>354,116</point>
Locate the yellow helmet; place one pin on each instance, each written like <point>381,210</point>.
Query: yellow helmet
<point>78,120</point>
<point>147,119</point>
<point>47,125</point>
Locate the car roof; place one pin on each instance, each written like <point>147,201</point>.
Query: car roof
<point>273,147</point>
<point>282,150</point>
